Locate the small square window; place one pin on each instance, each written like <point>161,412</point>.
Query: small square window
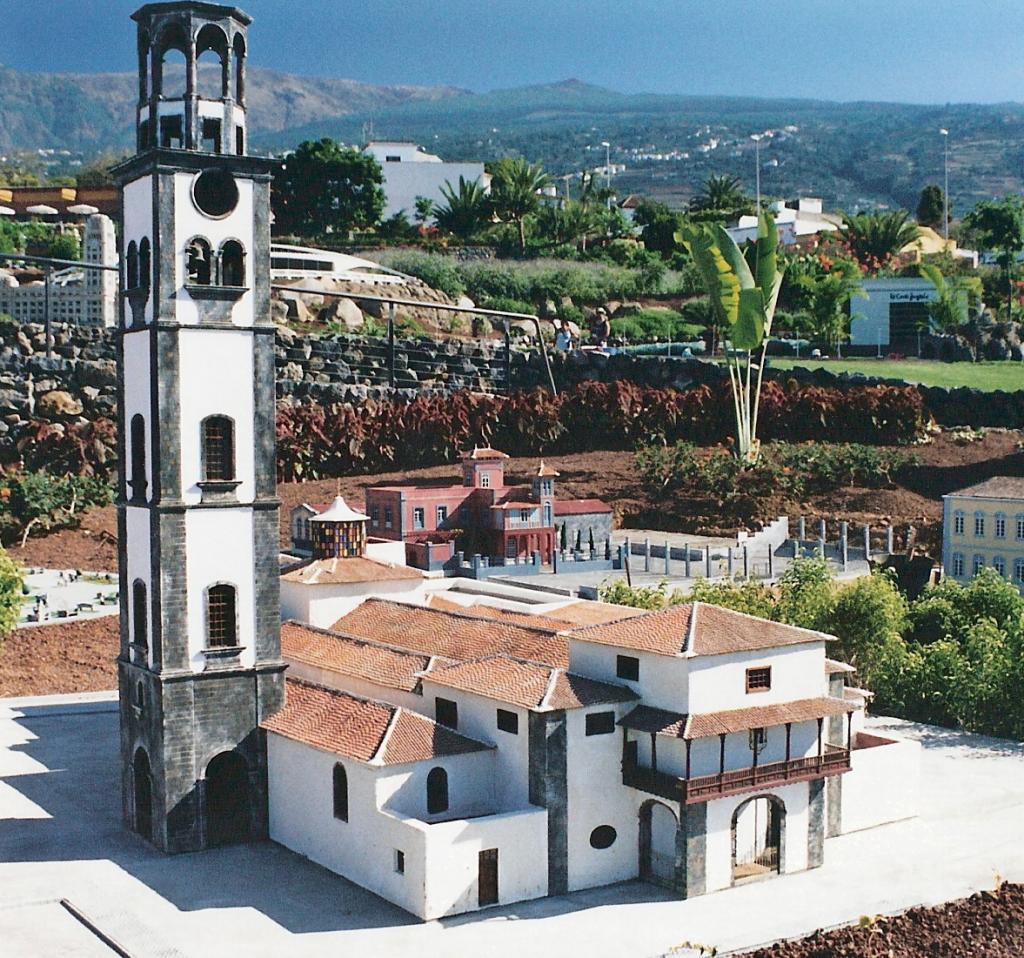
<point>399,862</point>
<point>757,739</point>
<point>627,667</point>
<point>418,517</point>
<point>508,721</point>
<point>375,515</point>
<point>759,679</point>
<point>442,515</point>
<point>387,517</point>
<point>600,723</point>
<point>446,712</point>
<point>485,480</point>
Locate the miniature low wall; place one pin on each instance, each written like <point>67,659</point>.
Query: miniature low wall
<point>883,783</point>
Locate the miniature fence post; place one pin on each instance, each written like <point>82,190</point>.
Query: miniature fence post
<point>686,558</point>
<point>867,542</point>
<point>729,561</point>
<point>647,555</point>
<point>707,557</point>
<point>844,543</point>
<point>771,562</point>
<point>391,345</point>
<point>746,564</point>
<point>507,354</point>
<point>890,539</point>
<point>801,530</point>
<point>668,557</point>
<point>822,531</point>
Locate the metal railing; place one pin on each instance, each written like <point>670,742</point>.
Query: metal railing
<point>385,365</point>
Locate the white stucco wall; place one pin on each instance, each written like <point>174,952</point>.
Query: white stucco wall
<point>478,717</point>
<point>216,379</point>
<point>323,605</point>
<point>403,788</point>
<point>363,848</point>
<point>882,785</point>
<point>206,531</point>
<point>598,797</point>
<point>404,181</point>
<point>190,222</point>
<point>718,682</point>
<point>138,223</point>
<point>869,317</point>
<point>137,385</point>
<point>663,678</point>
<point>138,536</point>
<point>386,550</point>
<point>718,860</point>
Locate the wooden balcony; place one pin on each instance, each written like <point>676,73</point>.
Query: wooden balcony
<point>702,788</point>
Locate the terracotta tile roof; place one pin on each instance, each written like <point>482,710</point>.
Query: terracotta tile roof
<point>587,612</point>
<point>697,629</point>
<point>361,729</point>
<point>661,722</point>
<point>484,452</point>
<point>516,497</point>
<point>454,635</point>
<point>348,572</point>
<point>529,685</point>
<point>577,507</point>
<point>483,611</point>
<point>832,667</point>
<point>998,487</point>
<point>545,470</point>
<point>426,490</point>
<point>380,664</point>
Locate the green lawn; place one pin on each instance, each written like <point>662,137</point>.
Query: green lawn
<point>987,376</point>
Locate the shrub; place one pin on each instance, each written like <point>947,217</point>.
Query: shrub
<point>44,502</point>
<point>11,589</point>
<point>438,272</point>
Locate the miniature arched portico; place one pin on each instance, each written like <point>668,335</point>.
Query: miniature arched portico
<point>758,837</point>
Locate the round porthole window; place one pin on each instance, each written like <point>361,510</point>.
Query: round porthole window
<point>215,192</point>
<point>603,837</point>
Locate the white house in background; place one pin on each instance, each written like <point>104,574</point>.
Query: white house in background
<point>345,566</point>
<point>452,760</point>
<point>304,262</point>
<point>409,172</point>
<point>806,219</point>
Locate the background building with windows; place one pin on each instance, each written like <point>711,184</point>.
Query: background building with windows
<point>983,527</point>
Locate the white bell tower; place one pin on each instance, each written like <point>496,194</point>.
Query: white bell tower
<point>200,663</point>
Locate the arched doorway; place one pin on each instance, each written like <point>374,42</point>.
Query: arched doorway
<point>143,798</point>
<point>758,828</point>
<point>658,827</point>
<point>227,799</point>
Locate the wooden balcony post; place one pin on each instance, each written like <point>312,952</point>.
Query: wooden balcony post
<point>789,730</point>
<point>821,722</point>
<point>688,759</point>
<point>849,732</point>
<point>721,759</point>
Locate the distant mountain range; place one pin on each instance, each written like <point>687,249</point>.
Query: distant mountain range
<point>853,155</point>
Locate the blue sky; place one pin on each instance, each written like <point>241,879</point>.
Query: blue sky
<point>922,51</point>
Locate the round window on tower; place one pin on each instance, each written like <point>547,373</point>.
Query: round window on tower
<point>215,192</point>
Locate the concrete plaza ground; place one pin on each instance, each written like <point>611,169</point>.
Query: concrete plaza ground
<point>61,839</point>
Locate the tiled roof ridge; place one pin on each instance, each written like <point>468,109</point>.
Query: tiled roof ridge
<point>757,618</point>
<point>460,615</point>
<point>691,631</point>
<point>339,694</point>
<point>545,699</point>
<point>377,758</point>
<point>647,613</point>
<point>361,640</point>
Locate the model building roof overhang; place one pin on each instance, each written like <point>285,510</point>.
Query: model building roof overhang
<point>678,725</point>
<point>998,487</point>
<point>213,11</point>
<point>697,629</point>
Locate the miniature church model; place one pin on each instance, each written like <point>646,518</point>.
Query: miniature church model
<point>199,664</point>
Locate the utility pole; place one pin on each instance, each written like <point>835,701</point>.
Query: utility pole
<point>757,137</point>
<point>945,189</point>
<point>608,169</point>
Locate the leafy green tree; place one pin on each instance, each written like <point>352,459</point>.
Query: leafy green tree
<point>744,301</point>
<point>869,618</point>
<point>637,597</point>
<point>658,227</point>
<point>97,173</point>
<point>66,246</point>
<point>827,294</point>
<point>931,207</point>
<point>11,581</point>
<point>876,238</point>
<point>999,225</point>
<point>324,187</point>
<point>806,594</point>
<point>397,227</point>
<point>956,298</point>
<point>466,209</point>
<point>424,210</point>
<point>722,195</point>
<point>515,192</point>
<point>750,597</point>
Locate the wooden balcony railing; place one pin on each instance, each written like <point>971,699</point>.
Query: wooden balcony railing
<point>833,761</point>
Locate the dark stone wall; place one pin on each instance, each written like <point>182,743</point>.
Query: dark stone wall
<point>549,788</point>
<point>816,823</point>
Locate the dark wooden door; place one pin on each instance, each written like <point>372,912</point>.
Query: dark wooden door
<point>487,881</point>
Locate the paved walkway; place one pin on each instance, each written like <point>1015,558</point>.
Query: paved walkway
<point>61,838</point>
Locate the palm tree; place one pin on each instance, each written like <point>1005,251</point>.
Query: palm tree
<point>875,238</point>
<point>465,211</point>
<point>723,193</point>
<point>424,207</point>
<point>515,189</point>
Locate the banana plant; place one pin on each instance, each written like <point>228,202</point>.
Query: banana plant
<point>743,296</point>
